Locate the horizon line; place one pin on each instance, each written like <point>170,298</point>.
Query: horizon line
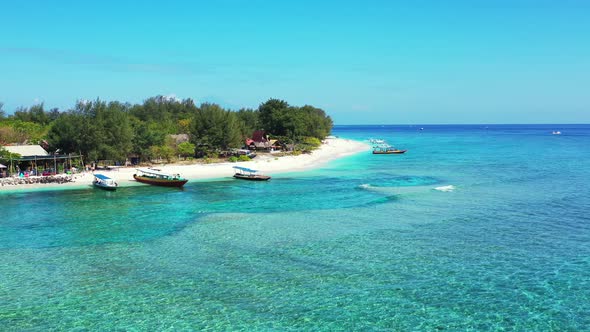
<point>468,124</point>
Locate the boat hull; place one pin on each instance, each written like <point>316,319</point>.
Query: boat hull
<point>390,152</point>
<point>159,182</point>
<point>252,177</point>
<point>104,187</point>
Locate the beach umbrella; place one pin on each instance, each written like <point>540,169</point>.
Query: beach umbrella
<point>2,166</point>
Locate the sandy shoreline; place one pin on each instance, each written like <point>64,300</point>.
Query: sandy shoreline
<point>334,148</point>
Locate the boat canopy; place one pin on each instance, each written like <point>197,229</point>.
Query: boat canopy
<point>382,146</point>
<point>152,172</point>
<point>102,177</point>
<point>245,169</point>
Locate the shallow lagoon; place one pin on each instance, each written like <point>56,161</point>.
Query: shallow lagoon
<point>363,243</point>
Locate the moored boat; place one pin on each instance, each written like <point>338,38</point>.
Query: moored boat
<point>376,141</point>
<point>249,174</point>
<point>387,150</point>
<point>157,178</point>
<point>104,182</point>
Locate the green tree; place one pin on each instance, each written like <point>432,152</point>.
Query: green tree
<point>215,127</point>
<point>280,119</point>
<point>232,137</point>
<point>317,123</point>
<point>6,155</point>
<point>186,149</point>
<point>249,121</point>
<point>53,114</point>
<point>184,126</point>
<point>145,135</point>
<point>161,152</point>
<point>167,152</point>
<point>91,135</point>
<point>117,134</point>
<point>35,114</point>
<point>97,130</point>
<point>17,131</point>
<point>293,122</point>
<point>166,112</point>
<point>271,113</point>
<point>65,134</point>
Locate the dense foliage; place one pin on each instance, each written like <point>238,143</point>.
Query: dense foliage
<point>116,131</point>
<point>281,119</point>
<point>212,126</point>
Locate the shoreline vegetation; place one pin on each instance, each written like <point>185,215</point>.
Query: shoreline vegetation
<point>331,149</point>
<point>173,135</point>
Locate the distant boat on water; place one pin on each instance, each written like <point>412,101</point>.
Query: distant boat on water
<point>244,173</point>
<point>387,150</point>
<point>556,132</point>
<point>376,141</point>
<point>104,182</point>
<point>157,178</point>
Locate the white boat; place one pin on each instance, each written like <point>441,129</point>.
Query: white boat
<point>556,132</point>
<point>245,173</point>
<point>104,182</point>
<point>387,149</point>
<point>376,141</point>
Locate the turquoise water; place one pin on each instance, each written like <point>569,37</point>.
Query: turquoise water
<point>365,243</point>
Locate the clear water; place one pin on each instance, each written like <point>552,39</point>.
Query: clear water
<point>365,243</point>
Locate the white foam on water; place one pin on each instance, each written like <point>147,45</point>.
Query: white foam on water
<point>445,188</point>
<point>401,190</point>
<point>381,190</point>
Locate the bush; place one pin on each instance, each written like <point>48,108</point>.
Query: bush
<point>233,159</point>
<point>243,158</point>
<point>312,142</point>
<point>308,144</point>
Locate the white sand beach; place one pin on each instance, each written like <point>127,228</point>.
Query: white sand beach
<point>269,164</point>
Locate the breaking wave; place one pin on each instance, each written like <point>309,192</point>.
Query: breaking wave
<point>445,188</point>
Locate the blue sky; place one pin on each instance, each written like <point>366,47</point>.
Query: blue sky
<point>364,62</point>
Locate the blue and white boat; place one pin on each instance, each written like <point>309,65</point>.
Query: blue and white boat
<point>245,173</point>
<point>104,182</point>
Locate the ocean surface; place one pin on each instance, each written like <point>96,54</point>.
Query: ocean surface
<point>475,228</point>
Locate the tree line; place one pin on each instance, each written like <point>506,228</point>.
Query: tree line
<point>101,130</point>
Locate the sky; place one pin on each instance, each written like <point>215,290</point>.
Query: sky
<point>363,62</point>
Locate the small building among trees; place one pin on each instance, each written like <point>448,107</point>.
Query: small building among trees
<point>261,141</point>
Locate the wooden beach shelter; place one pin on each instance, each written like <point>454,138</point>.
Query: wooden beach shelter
<point>35,154</point>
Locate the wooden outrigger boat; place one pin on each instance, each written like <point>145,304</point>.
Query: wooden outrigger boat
<point>104,182</point>
<point>157,178</point>
<point>249,174</point>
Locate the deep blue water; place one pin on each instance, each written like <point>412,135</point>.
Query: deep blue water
<point>474,228</point>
